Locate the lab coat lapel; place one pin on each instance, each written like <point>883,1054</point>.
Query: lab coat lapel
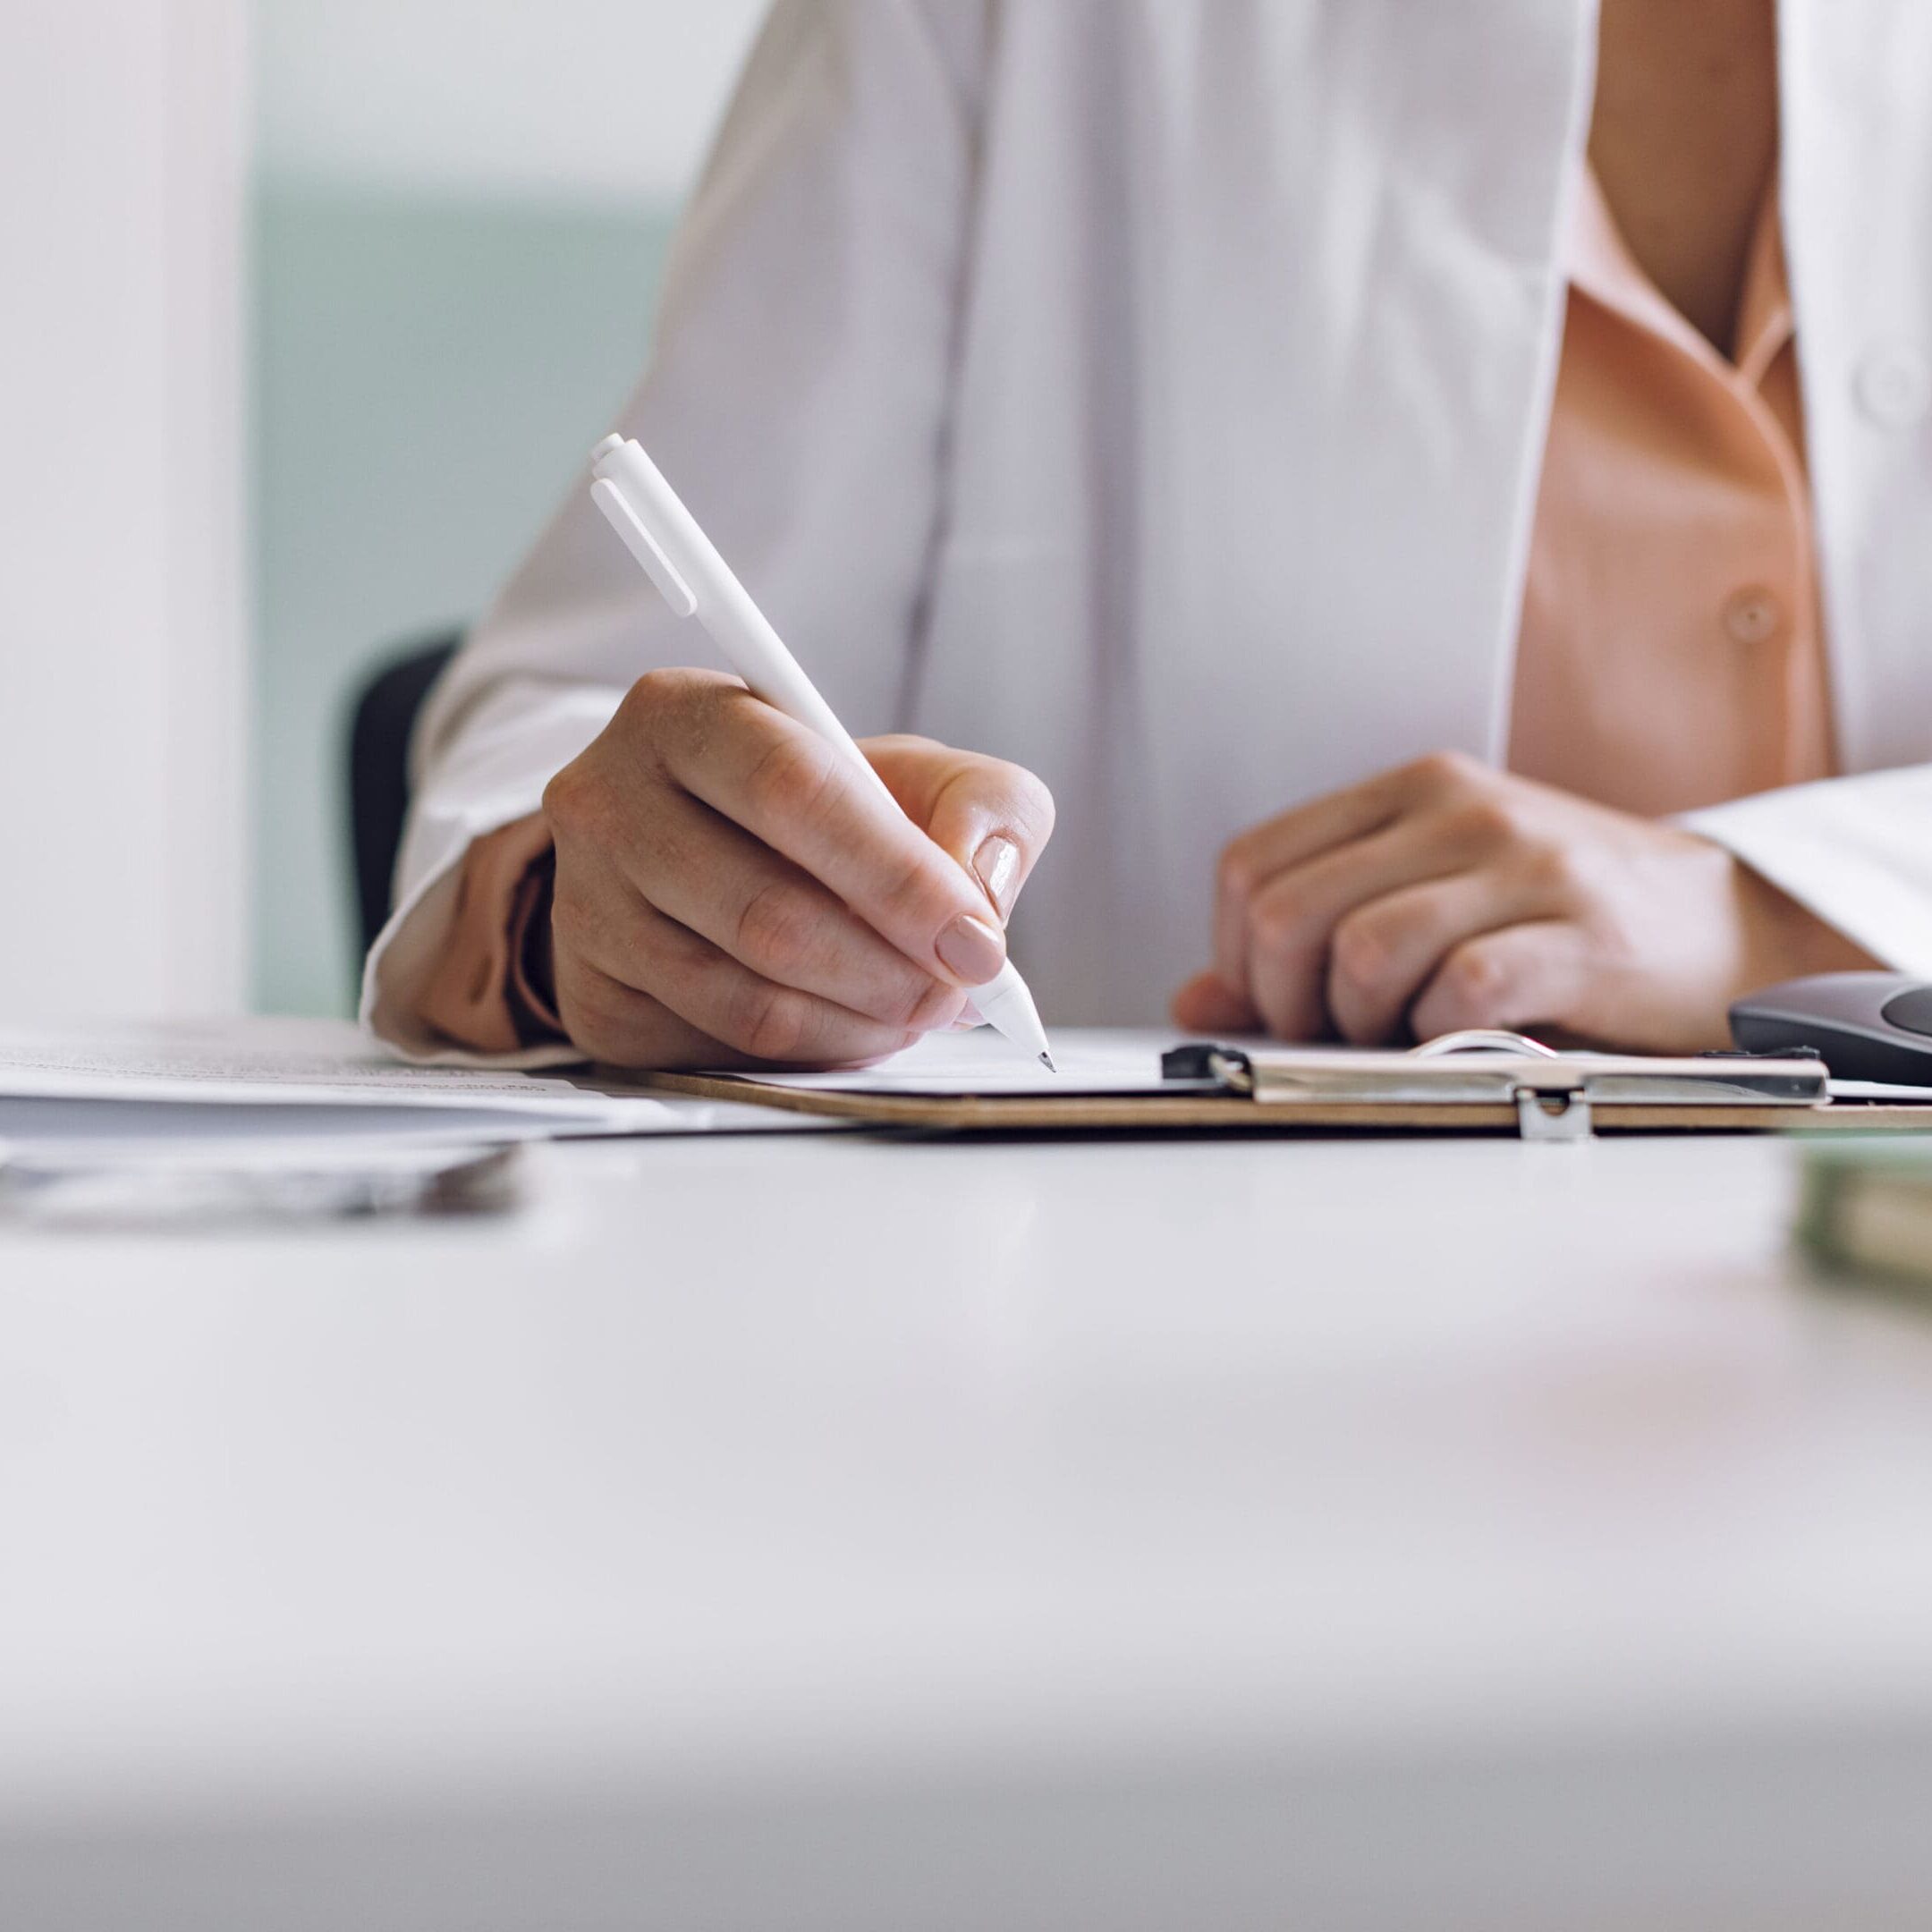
<point>1364,351</point>
<point>1857,211</point>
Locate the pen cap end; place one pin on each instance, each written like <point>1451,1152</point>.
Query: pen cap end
<point>604,449</point>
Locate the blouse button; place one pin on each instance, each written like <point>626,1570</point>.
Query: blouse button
<point>1753,616</point>
<point>1895,384</point>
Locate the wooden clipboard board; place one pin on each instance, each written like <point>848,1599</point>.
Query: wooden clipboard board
<point>1538,1095</point>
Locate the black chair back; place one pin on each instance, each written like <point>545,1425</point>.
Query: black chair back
<point>379,732</point>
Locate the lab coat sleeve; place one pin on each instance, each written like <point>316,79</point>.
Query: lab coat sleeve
<point>1857,851</point>
<point>796,398</point>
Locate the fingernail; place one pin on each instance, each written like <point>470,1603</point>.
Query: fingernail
<point>998,863</point>
<point>970,950</point>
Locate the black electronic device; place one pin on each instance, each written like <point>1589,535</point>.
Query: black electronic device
<point>1867,1026</point>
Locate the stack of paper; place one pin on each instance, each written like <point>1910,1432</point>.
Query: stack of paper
<point>299,1079</point>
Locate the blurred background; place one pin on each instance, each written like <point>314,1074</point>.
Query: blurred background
<point>325,302</point>
<point>460,209</point>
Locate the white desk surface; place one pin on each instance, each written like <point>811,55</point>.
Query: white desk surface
<point>818,1532</point>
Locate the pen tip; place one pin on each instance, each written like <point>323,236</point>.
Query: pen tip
<point>1046,1060</point>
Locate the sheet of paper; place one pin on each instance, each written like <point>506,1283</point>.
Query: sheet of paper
<point>1863,1089</point>
<point>41,1121</point>
<point>258,1061</point>
<point>306,1078</point>
<point>1091,1060</point>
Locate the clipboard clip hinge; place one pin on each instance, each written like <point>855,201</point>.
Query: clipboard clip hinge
<point>1551,1116</point>
<point>1554,1117</point>
<point>1226,1069</point>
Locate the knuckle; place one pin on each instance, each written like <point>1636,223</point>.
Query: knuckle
<point>653,706</point>
<point>1477,979</point>
<point>795,780</point>
<point>909,893</point>
<point>669,690</point>
<point>1487,823</point>
<point>1274,925</point>
<point>677,709</point>
<point>767,1021</point>
<point>1235,873</point>
<point>569,800</point>
<point>1449,771</point>
<point>1361,950</point>
<point>1448,781</point>
<point>1557,870</point>
<point>778,930</point>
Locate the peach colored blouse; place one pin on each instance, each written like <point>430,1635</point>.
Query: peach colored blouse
<point>1670,653</point>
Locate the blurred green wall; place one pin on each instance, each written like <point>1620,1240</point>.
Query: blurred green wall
<point>429,376</point>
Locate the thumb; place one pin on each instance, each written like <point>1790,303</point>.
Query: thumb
<point>995,818</point>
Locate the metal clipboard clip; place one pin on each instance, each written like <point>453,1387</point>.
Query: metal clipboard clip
<point>1555,1094</point>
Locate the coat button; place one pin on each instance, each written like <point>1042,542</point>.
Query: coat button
<point>1753,616</point>
<point>1895,384</point>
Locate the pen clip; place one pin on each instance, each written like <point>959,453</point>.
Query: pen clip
<point>644,547</point>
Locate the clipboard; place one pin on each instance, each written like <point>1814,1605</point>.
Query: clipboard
<point>1465,1083</point>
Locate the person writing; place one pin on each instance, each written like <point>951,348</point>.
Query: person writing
<point>1433,499</point>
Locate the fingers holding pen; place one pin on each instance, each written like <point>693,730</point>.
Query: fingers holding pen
<point>720,868</point>
<point>716,880</point>
<point>636,988</point>
<point>802,798</point>
<point>793,788</point>
<point>994,818</point>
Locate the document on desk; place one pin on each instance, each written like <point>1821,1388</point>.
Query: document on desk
<point>258,1061</point>
<point>312,1078</point>
<point>1088,1059</point>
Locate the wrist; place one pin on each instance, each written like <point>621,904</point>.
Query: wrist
<point>1785,940</point>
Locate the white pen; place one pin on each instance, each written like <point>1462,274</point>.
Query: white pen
<point>696,581</point>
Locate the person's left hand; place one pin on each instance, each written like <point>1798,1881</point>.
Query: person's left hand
<point>1445,894</point>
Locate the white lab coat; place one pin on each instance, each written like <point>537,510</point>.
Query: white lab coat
<point>1153,391</point>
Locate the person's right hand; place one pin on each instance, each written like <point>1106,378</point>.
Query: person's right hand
<point>729,892</point>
